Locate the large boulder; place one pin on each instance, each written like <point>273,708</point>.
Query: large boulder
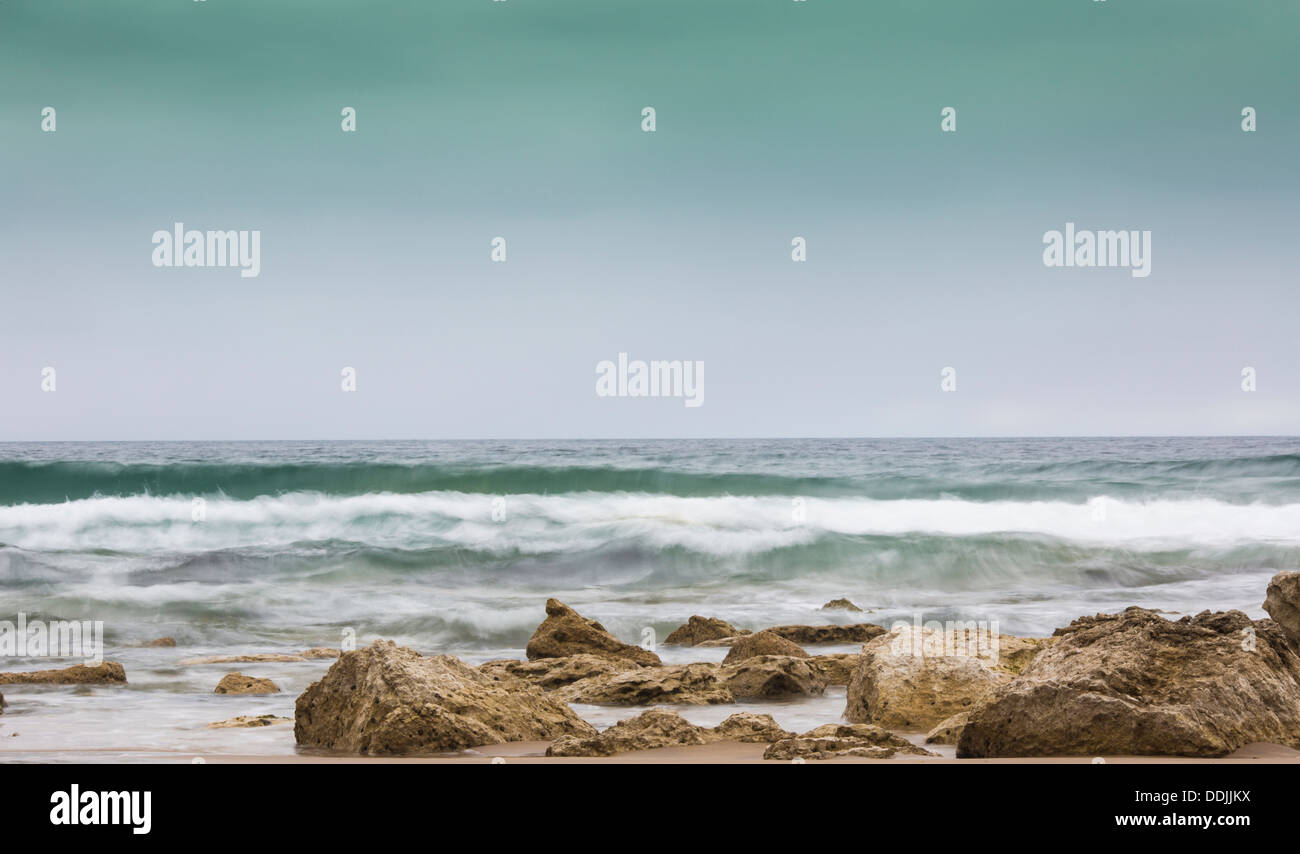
<point>762,643</point>
<point>769,676</point>
<point>698,629</point>
<point>831,741</point>
<point>647,731</point>
<point>855,633</point>
<point>565,632</point>
<point>104,673</point>
<point>1135,683</point>
<point>390,700</point>
<point>1283,603</point>
<point>238,683</point>
<point>686,684</point>
<point>551,673</point>
<point>836,668</point>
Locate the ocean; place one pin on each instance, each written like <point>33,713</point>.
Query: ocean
<point>453,547</point>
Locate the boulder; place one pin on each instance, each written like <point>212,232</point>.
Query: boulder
<point>321,652</point>
<point>767,676</point>
<point>687,684</point>
<point>832,741</point>
<point>948,730</point>
<point>749,727</point>
<point>840,605</point>
<point>565,632</point>
<point>250,721</point>
<point>551,673</point>
<point>238,683</point>
<point>855,633</point>
<point>697,629</point>
<point>762,643</point>
<point>1283,603</point>
<point>105,673</point>
<point>389,700</point>
<point>649,730</point>
<point>1135,683</point>
<point>836,668</point>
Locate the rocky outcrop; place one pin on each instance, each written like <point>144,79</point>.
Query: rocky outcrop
<point>835,668</point>
<point>1135,683</point>
<point>105,673</point>
<point>551,673</point>
<point>321,652</point>
<point>948,730</point>
<point>649,730</point>
<point>697,630</point>
<point>770,676</point>
<point>749,727</point>
<point>1283,604</point>
<point>390,700</point>
<point>855,633</point>
<point>840,605</point>
<point>832,741</point>
<point>250,722</point>
<point>687,684</point>
<point>762,643</point>
<point>565,632</point>
<point>238,683</point>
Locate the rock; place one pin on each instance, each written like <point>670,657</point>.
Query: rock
<point>856,633</point>
<point>835,668</point>
<point>253,658</point>
<point>832,741</point>
<point>1014,654</point>
<point>249,721</point>
<point>749,727</point>
<point>390,700</point>
<point>913,677</point>
<point>551,673</point>
<point>565,632</point>
<point>840,605</point>
<point>2,703</point>
<point>238,683</point>
<point>692,684</point>
<point>771,676</point>
<point>105,673</point>
<point>762,643</point>
<point>948,730</point>
<point>321,652</point>
<point>1135,683</point>
<point>160,642</point>
<point>649,730</point>
<point>696,630</point>
<point>1283,603</point>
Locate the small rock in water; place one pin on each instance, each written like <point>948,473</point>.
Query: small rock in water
<point>698,629</point>
<point>238,683</point>
<point>565,632</point>
<point>762,643</point>
<point>159,642</point>
<point>106,673</point>
<point>840,605</point>
<point>249,721</point>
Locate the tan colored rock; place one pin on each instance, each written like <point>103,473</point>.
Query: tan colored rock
<point>686,684</point>
<point>948,730</point>
<point>105,673</point>
<point>321,652</point>
<point>804,635</point>
<point>749,727</point>
<point>251,658</point>
<point>238,683</point>
<point>649,730</point>
<point>697,629</point>
<point>565,632</point>
<point>551,673</point>
<point>767,676</point>
<point>832,741</point>
<point>762,643</point>
<point>1135,683</point>
<point>250,721</point>
<point>836,668</point>
<point>160,642</point>
<point>390,700</point>
<point>840,605</point>
<point>1283,603</point>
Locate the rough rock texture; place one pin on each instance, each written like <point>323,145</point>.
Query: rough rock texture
<point>771,676</point>
<point>836,668</point>
<point>831,741</point>
<point>1135,683</point>
<point>648,730</point>
<point>840,605</point>
<point>697,629</point>
<point>856,633</point>
<point>565,632</point>
<point>762,643</point>
<point>252,658</point>
<point>948,730</point>
<point>389,700</point>
<point>690,684</point>
<point>105,673</point>
<point>1283,603</point>
<point>551,673</point>
<point>168,641</point>
<point>321,652</point>
<point>250,721</point>
<point>747,726</point>
<point>238,683</point>
<point>912,678</point>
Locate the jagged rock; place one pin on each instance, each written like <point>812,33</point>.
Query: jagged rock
<point>771,676</point>
<point>390,700</point>
<point>565,632</point>
<point>836,668</point>
<point>831,741</point>
<point>551,673</point>
<point>913,677</point>
<point>104,673</point>
<point>840,605</point>
<point>747,726</point>
<point>250,721</point>
<point>689,684</point>
<point>1135,683</point>
<point>647,731</point>
<point>1283,603</point>
<point>762,643</point>
<point>238,683</point>
<point>697,629</point>
<point>160,642</point>
<point>856,633</point>
<point>948,730</point>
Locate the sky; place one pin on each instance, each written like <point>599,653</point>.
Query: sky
<point>522,119</point>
